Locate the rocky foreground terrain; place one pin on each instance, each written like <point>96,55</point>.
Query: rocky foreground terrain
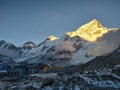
<point>93,75</point>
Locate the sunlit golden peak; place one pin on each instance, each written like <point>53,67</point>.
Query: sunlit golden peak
<point>70,34</point>
<point>51,38</point>
<point>90,31</point>
<point>92,25</point>
<point>96,23</point>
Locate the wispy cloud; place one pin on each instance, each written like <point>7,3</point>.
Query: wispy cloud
<point>106,44</point>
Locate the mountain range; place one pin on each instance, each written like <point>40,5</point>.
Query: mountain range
<point>80,46</point>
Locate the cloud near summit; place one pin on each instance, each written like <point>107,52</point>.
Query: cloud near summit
<point>106,44</point>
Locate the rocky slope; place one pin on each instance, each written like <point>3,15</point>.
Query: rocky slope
<point>9,49</point>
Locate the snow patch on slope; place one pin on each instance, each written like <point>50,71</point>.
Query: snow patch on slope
<point>82,56</point>
<point>8,52</point>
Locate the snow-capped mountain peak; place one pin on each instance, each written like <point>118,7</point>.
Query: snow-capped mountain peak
<point>52,37</point>
<point>90,31</point>
<point>28,45</point>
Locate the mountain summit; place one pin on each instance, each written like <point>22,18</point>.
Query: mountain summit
<point>52,38</point>
<point>28,45</point>
<point>90,31</point>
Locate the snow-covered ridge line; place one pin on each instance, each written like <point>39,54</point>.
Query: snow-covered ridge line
<point>84,44</point>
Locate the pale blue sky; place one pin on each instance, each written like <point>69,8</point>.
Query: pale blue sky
<point>35,20</point>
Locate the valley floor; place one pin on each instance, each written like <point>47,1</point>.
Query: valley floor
<point>66,78</point>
